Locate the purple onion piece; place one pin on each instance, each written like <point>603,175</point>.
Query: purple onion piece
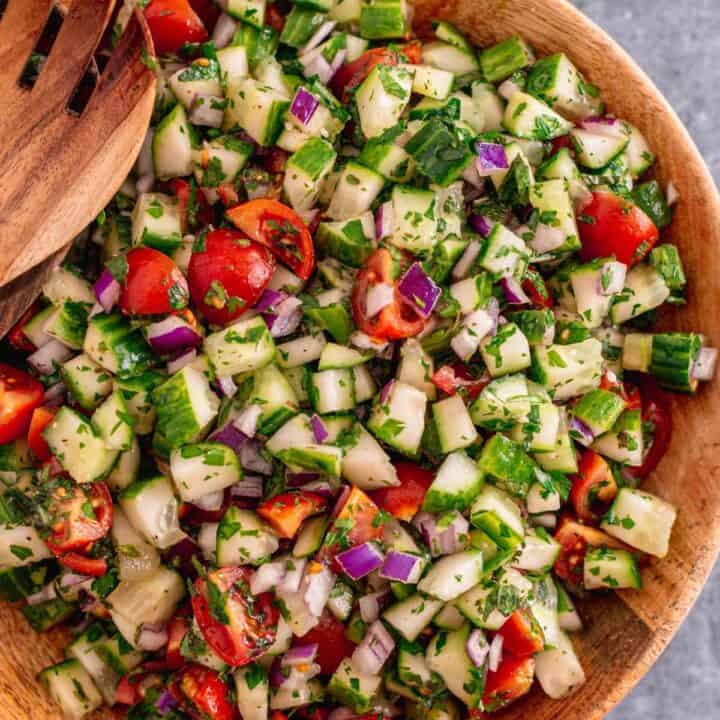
<point>227,385</point>
<point>299,655</point>
<point>172,335</point>
<point>581,432</point>
<point>514,294</point>
<point>304,105</point>
<point>178,363</point>
<point>49,356</point>
<point>296,479</point>
<point>495,653</point>
<point>361,560</point>
<point>477,647</point>
<point>419,290</point>
<point>55,395</point>
<point>317,587</point>
<point>402,567</point>
<point>107,290</point>
<point>480,224</point>
<point>251,486</point>
<point>267,577</point>
<point>337,62</point>
<point>386,390</point>
<point>546,239</point>
<point>378,297</point>
<point>374,650</point>
<point>232,437</point>
<point>491,157</point>
<point>319,430</point>
<point>294,573</point>
<point>384,220</point>
<point>166,702</point>
<point>247,421</point>
<point>269,300</point>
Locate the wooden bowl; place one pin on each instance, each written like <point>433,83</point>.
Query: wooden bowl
<point>626,632</point>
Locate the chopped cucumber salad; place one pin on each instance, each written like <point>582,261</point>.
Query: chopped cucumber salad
<point>353,387</point>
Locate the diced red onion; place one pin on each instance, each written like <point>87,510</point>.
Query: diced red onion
<point>152,637</point>
<point>251,486</point>
<point>232,437</point>
<point>384,220</point>
<point>308,215</point>
<point>286,319</point>
<point>145,183</point>
<point>444,540</point>
<point>402,567</point>
<point>296,479</point>
<point>705,363</point>
<point>491,157</point>
<point>469,256</point>
<point>374,650</point>
<point>508,88</point>
<point>70,579</point>
<point>55,395</point>
<point>361,560</point>
<point>319,66</point>
<point>477,647</point>
<point>607,126</point>
<point>378,297</point>
<point>419,290</point>
<point>337,62</point>
<point>207,110</point>
<point>470,175</point>
<point>96,309</point>
<point>514,294</point>
<point>495,653</point>
<point>227,385</point>
<point>318,36</point>
<point>546,520</point>
<point>371,604</point>
<point>546,239</point>
<point>166,702</point>
<point>107,290</point>
<point>247,421</point>
<point>672,194</point>
<point>207,541</point>
<point>303,106</point>
<point>178,363</point>
<point>49,356</point>
<point>172,335</point>
<point>612,278</point>
<point>210,502</point>
<point>318,582</point>
<point>581,432</point>
<point>386,390</point>
<point>252,459</point>
<point>267,576</point>
<point>319,430</point>
<point>223,31</point>
<point>340,502</point>
<point>293,577</point>
<point>481,225</point>
<point>300,655</point>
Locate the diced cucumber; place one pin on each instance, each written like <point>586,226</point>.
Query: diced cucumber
<point>241,347</point>
<point>504,253</point>
<point>68,324</point>
<point>508,351</point>
<point>611,568</point>
<point>251,12</point>
<point>325,459</point>
<point>310,539</point>
<point>666,260</point>
<point>243,538</point>
<point>114,423</point>
<point>137,393</point>
<point>399,421</point>
<point>502,403</point>
<point>251,691</point>
<point>302,350</point>
<point>447,656</point>
<point>568,370</point>
<point>152,509</point>
<point>414,219</point>
<point>365,464</point>
<point>64,284</point>
<point>500,61</point>
<point>382,97</point>
<point>305,171</point>
<point>258,109</point>
<point>440,153</point>
<point>204,468</point>
<point>383,156</point>
<point>637,352</point>
<point>498,515</point>
<point>639,156</point>
<point>172,145</point>
<point>338,356</point>
<point>276,398</point>
<point>78,447</point>
<point>416,368</point>
<point>48,614</point>
<point>561,166</point>
<point>432,82</point>
<point>156,222</point>
<point>472,293</point>
<point>300,25</point>
<point>529,118</point>
<point>456,484</point>
<point>641,520</point>
<point>352,688</point>
<point>355,191</point>
<point>558,670</point>
<point>452,575</point>
<point>294,433</point>
<point>449,618</point>
<point>113,343</point>
<point>332,390</point>
<point>220,160</point>
<point>21,545</point>
<point>539,433</point>
<point>538,553</point>
<point>568,618</point>
<point>233,61</point>
<point>413,670</point>
<point>489,105</point>
<point>70,686</point>
<point>591,303</point>
<point>136,557</point>
<point>381,19</point>
<point>673,359</point>
<point>33,329</point>
<point>599,410</point>
<point>507,465</point>
<point>86,380</point>
<point>645,289</point>
<point>455,428</point>
<point>552,199</point>
<point>624,442</point>
<point>349,241</point>
<point>412,615</point>
<point>126,468</point>
<point>595,151</point>
<point>449,57</point>
<point>562,457</point>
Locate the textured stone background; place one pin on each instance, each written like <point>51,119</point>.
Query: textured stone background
<point>677,42</point>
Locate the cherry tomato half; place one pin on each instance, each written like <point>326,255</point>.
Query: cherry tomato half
<point>173,23</point>
<point>195,211</point>
<point>405,500</point>
<point>279,228</point>
<point>510,681</point>
<point>537,290</point>
<point>153,285</point>
<point>177,629</point>
<point>286,512</point>
<point>236,625</point>
<point>521,634</point>
<point>20,394</point>
<point>333,646</point>
<point>206,691</point>
<point>16,337</point>
<point>83,565</point>
<point>41,418</point>
<point>610,225</point>
<point>227,275</point>
<point>656,415</point>
<point>593,484</point>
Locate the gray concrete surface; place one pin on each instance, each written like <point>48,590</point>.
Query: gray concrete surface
<point>677,42</point>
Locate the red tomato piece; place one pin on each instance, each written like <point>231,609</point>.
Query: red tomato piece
<point>173,23</point>
<point>206,691</point>
<point>459,378</point>
<point>207,11</point>
<point>127,692</point>
<point>511,681</point>
<point>20,394</point>
<point>656,414</point>
<point>279,228</point>
<point>193,205</point>
<point>227,275</point>
<point>79,517</point>
<point>395,321</point>
<point>286,512</point>
<point>236,625</point>
<point>41,418</point>
<point>153,285</point>
<point>16,337</point>
<point>405,500</point>
<point>593,484</point>
<point>575,539</point>
<point>610,225</point>
<point>537,290</point>
<point>274,18</point>
<point>629,393</point>
<point>521,634</point>
<point>333,646</point>
<point>177,629</point>
<point>95,567</point>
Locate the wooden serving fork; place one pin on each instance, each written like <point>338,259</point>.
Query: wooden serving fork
<point>71,126</point>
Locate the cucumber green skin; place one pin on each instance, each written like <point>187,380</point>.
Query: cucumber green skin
<point>259,43</point>
<point>15,456</point>
<point>350,249</point>
<point>17,583</point>
<point>381,19</point>
<point>570,332</point>
<point>347,695</point>
<point>335,319</point>
<point>70,325</point>
<point>134,489</point>
<point>673,355</point>
<point>599,410</point>
<point>445,254</point>
<point>300,25</point>
<point>437,500</point>
<point>501,534</point>
<point>500,61</point>
<point>132,353</point>
<point>507,465</point>
<point>164,243</point>
<point>137,392</point>
<point>310,460</point>
<point>176,423</point>
<point>650,197</point>
<point>532,323</point>
<point>666,260</point>
<point>440,155</point>
<point>271,422</point>
<point>603,560</point>
<point>45,615</point>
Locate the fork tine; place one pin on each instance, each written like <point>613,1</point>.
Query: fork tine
<point>20,29</point>
<point>72,52</point>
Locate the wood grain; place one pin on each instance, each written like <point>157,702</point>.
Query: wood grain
<point>57,170</point>
<point>627,632</point>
